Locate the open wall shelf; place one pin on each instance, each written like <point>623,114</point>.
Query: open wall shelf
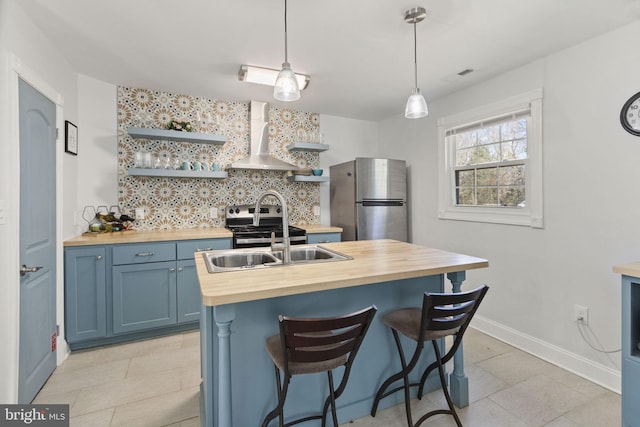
<point>174,135</point>
<point>307,146</point>
<point>177,173</point>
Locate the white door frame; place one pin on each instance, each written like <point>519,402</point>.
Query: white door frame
<point>19,70</point>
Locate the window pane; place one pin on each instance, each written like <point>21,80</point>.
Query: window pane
<point>467,156</point>
<point>465,196</point>
<point>514,150</point>
<point>487,196</point>
<point>512,196</point>
<point>466,139</point>
<point>488,153</point>
<point>465,178</point>
<point>511,175</point>
<point>489,134</point>
<point>487,176</point>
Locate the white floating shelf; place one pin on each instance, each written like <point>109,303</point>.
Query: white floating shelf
<point>307,146</point>
<point>307,178</point>
<point>175,135</point>
<point>176,173</point>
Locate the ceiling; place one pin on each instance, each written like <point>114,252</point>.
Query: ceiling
<point>359,53</point>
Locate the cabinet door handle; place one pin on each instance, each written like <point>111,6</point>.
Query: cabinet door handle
<point>205,249</point>
<point>145,254</point>
<point>179,268</point>
<point>99,257</point>
<point>172,270</point>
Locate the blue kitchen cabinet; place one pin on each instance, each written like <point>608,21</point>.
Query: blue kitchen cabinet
<point>630,351</point>
<point>120,292</point>
<point>144,296</point>
<point>85,295</point>
<point>315,238</point>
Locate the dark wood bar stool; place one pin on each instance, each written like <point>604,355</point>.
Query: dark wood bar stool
<point>441,315</point>
<point>306,346</point>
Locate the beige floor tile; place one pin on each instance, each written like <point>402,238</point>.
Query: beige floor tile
<point>191,339</point>
<point>94,419</point>
<point>562,422</point>
<point>483,413</point>
<point>514,366</point>
<point>539,400</point>
<point>91,357</point>
<point>67,398</point>
<point>604,411</point>
<point>159,411</point>
<point>155,362</point>
<point>63,380</point>
<point>125,391</point>
<point>478,347</point>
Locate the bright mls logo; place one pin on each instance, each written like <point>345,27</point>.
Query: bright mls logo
<point>34,415</point>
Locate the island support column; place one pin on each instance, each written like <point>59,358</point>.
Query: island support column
<point>458,381</point>
<point>224,315</point>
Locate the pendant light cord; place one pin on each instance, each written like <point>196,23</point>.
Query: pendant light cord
<point>415,54</point>
<point>286,59</point>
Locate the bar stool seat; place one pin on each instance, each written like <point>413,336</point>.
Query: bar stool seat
<point>313,345</point>
<point>441,315</point>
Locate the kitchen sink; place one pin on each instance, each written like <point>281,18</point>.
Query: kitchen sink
<point>311,253</point>
<point>238,259</point>
<point>243,259</point>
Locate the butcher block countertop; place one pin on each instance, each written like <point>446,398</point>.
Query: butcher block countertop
<point>373,261</point>
<point>632,269</point>
<point>317,228</point>
<point>147,236</point>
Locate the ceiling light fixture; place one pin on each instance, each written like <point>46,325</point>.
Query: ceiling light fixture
<point>416,104</point>
<point>286,87</point>
<point>267,76</point>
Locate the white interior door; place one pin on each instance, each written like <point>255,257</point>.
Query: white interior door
<point>37,360</point>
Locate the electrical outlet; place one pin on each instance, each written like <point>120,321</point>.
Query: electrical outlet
<point>581,314</point>
<point>213,212</point>
<point>139,213</point>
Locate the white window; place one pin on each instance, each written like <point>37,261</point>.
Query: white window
<point>490,167</point>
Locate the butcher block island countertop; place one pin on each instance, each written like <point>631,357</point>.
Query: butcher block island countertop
<point>374,261</point>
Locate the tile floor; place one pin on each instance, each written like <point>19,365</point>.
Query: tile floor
<point>121,386</point>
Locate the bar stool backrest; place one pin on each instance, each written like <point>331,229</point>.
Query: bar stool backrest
<point>449,312</point>
<point>309,340</point>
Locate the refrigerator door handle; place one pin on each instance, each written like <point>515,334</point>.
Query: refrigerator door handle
<point>382,202</point>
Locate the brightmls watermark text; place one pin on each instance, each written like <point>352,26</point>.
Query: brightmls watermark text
<point>34,415</point>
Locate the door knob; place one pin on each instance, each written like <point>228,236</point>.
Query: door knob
<point>24,270</point>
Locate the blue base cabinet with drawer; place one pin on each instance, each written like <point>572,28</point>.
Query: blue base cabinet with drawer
<point>118,293</point>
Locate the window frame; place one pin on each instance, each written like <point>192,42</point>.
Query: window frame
<point>532,214</point>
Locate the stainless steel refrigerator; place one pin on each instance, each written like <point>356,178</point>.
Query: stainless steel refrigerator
<point>369,199</point>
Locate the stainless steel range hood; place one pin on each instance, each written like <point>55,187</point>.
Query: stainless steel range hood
<point>259,157</point>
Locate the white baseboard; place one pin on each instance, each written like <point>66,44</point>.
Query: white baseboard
<point>588,369</point>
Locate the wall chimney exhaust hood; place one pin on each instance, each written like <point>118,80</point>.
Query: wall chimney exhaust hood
<point>259,157</point>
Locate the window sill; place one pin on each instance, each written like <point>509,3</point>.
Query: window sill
<point>493,215</point>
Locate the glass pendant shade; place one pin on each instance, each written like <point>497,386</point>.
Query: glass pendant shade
<point>286,88</point>
<point>416,106</point>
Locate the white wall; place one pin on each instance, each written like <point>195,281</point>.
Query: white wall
<point>347,139</point>
<point>98,147</point>
<point>21,40</point>
<point>590,204</point>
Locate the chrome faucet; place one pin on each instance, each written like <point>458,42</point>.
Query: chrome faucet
<point>285,246</point>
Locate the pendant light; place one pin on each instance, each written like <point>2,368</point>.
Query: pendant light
<point>286,87</point>
<point>416,104</point>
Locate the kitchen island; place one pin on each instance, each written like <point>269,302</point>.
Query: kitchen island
<point>240,311</point>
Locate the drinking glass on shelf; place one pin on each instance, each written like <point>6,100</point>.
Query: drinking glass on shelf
<point>138,159</point>
<point>301,135</point>
<point>89,214</point>
<point>146,160</point>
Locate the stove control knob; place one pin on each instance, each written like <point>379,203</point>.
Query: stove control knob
<point>230,211</point>
<point>279,210</point>
<point>237,210</point>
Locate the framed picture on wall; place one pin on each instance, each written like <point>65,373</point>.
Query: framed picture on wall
<point>71,138</point>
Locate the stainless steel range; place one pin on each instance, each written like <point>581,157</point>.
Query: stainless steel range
<point>239,220</point>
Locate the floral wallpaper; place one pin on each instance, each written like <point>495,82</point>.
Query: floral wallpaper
<point>173,203</point>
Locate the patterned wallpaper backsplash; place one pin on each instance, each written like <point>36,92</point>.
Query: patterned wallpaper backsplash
<point>173,203</point>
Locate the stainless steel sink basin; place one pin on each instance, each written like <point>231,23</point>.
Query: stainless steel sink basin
<point>312,253</point>
<point>243,259</point>
<point>238,259</point>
